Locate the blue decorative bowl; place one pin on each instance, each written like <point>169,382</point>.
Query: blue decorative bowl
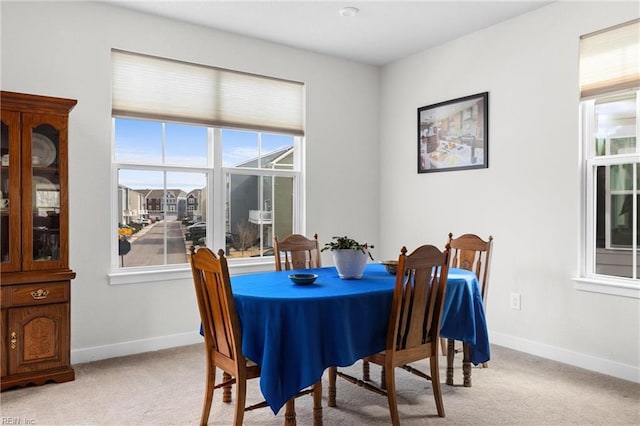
<point>303,279</point>
<point>391,266</point>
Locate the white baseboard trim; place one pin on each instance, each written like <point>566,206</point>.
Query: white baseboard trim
<point>588,362</point>
<point>565,356</point>
<point>97,353</point>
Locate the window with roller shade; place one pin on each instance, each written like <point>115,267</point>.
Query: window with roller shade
<point>610,107</point>
<point>208,156</point>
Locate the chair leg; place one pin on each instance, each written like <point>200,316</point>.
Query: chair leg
<point>226,390</point>
<point>435,384</point>
<point>208,393</point>
<point>333,372</point>
<point>451,353</point>
<point>443,346</point>
<point>241,399</point>
<point>365,371</point>
<point>317,403</point>
<point>290,412</point>
<point>466,365</point>
<point>391,395</point>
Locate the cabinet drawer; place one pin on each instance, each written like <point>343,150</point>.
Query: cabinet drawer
<point>35,294</point>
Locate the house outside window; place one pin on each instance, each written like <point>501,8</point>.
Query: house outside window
<point>199,181</point>
<point>610,111</point>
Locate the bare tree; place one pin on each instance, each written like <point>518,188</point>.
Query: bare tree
<point>245,236</point>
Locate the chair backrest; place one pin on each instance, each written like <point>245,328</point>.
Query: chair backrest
<point>418,297</point>
<point>220,322</point>
<point>296,252</point>
<point>472,253</point>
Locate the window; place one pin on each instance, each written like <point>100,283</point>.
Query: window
<point>610,110</point>
<point>197,179</point>
<point>613,184</point>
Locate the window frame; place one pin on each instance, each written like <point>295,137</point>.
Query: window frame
<point>588,279</point>
<point>215,172</point>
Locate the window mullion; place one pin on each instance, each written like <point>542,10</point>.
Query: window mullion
<point>218,192</point>
<point>634,224</point>
<point>591,187</point>
<point>165,196</point>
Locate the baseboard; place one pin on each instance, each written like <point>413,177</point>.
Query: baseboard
<point>97,353</point>
<point>576,359</point>
<point>599,365</point>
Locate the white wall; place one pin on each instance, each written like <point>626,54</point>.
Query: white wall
<point>529,197</point>
<point>63,49</point>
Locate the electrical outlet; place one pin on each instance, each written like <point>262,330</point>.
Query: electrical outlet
<point>515,301</point>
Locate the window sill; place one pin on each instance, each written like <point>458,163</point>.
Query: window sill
<point>180,272</point>
<point>623,288</point>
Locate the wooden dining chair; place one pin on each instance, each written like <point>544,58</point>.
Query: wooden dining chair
<point>222,337</point>
<point>296,252</point>
<point>414,325</point>
<point>472,253</point>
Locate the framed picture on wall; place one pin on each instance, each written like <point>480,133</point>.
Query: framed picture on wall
<point>454,135</point>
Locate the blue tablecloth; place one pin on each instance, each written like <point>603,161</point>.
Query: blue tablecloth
<point>295,332</point>
<point>463,316</point>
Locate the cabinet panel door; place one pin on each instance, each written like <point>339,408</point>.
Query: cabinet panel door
<point>38,337</point>
<point>44,195</point>
<point>10,237</point>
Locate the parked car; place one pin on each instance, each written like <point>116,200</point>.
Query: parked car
<point>143,221</point>
<point>196,231</point>
<point>197,225</point>
<point>124,229</point>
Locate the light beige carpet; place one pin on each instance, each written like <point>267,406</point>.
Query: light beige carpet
<point>166,388</point>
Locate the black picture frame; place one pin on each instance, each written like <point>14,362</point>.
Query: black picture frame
<point>454,135</point>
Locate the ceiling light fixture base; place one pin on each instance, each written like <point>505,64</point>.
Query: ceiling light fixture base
<point>349,11</point>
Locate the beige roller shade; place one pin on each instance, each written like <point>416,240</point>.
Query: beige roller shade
<point>157,88</point>
<point>610,60</point>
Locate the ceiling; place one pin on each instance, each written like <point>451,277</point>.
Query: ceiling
<point>381,31</point>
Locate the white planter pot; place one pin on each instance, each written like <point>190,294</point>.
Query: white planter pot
<point>349,263</point>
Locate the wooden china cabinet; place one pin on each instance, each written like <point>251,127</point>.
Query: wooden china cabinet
<point>34,240</point>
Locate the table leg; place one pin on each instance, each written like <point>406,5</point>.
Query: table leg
<point>333,371</point>
<point>466,365</point>
<point>226,390</point>
<point>451,353</point>
<point>317,403</point>
<point>290,412</point>
<point>365,371</point>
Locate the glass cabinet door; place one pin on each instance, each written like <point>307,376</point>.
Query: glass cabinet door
<point>10,235</point>
<point>42,171</point>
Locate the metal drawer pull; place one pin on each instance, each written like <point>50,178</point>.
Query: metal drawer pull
<point>14,339</point>
<point>39,294</point>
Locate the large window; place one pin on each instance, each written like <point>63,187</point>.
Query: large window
<point>205,176</point>
<point>610,78</point>
<point>165,199</point>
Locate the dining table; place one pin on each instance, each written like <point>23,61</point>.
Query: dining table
<point>294,332</point>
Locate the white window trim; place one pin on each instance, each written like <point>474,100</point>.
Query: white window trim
<point>164,273</point>
<point>173,273</point>
<point>613,287</point>
<point>588,280</point>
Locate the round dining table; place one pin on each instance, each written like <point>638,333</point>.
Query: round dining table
<point>294,332</point>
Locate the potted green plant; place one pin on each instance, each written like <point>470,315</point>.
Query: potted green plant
<point>349,256</point>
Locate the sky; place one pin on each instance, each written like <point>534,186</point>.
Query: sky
<point>141,143</point>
